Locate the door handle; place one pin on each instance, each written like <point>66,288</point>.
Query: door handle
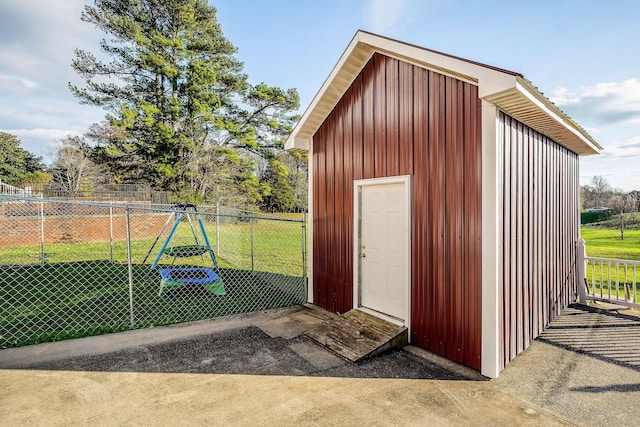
<point>363,255</point>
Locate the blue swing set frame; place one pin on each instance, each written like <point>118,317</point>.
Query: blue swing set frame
<point>203,276</point>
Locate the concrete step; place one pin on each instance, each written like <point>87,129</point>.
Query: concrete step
<point>356,335</point>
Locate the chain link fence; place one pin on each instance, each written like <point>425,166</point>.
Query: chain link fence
<point>71,269</point>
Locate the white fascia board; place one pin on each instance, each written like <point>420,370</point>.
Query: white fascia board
<point>546,107</point>
<point>491,84</point>
<point>291,141</point>
<point>489,80</point>
<point>296,144</point>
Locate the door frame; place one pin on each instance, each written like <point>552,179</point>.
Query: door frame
<point>357,229</point>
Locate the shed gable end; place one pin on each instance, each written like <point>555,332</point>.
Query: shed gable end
<point>401,119</point>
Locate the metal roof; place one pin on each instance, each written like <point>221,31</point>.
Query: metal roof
<point>508,90</point>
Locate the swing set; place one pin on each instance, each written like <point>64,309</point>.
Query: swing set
<point>173,278</point>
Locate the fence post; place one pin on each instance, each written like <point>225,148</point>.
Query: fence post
<point>304,249</point>
<point>130,268</point>
<point>581,264</point>
<point>41,233</point>
<point>217,228</point>
<point>111,233</point>
<point>251,239</point>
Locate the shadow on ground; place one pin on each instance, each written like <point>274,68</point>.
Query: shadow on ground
<point>608,336</point>
<point>251,351</point>
<point>585,366</point>
<point>257,346</point>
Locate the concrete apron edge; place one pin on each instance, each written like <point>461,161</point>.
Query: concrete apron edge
<point>107,343</point>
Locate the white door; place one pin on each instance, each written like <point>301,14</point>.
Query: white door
<point>383,253</point>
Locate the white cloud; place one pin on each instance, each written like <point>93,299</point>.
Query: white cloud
<point>41,134</point>
<point>39,38</point>
<point>47,112</point>
<point>17,84</point>
<point>615,169</point>
<point>619,98</point>
<point>617,161</point>
<point>17,60</point>
<point>610,111</point>
<point>41,141</point>
<point>604,103</point>
<point>625,149</point>
<point>561,97</point>
<point>382,16</point>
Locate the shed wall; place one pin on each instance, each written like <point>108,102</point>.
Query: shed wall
<point>540,208</point>
<point>400,119</point>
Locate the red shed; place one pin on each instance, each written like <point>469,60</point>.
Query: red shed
<point>443,196</point>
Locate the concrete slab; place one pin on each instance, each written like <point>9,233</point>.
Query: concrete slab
<point>292,325</point>
<point>585,367</point>
<point>583,370</point>
<point>134,398</point>
<point>13,357</point>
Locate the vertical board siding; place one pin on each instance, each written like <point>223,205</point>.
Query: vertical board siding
<point>399,119</point>
<point>420,249</point>
<point>392,108</point>
<point>540,233</point>
<point>380,117</point>
<point>330,222</point>
<point>405,113</point>
<point>319,221</point>
<point>339,139</point>
<point>437,259</point>
<point>347,188</point>
<point>473,226</point>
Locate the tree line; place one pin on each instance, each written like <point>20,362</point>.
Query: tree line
<point>181,115</point>
<point>18,165</point>
<point>599,196</point>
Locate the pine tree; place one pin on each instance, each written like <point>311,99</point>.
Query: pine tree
<point>280,197</point>
<point>16,163</point>
<point>173,88</point>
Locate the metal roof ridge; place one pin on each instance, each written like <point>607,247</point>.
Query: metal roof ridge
<point>459,58</point>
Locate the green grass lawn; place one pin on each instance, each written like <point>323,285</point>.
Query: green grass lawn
<point>71,300</point>
<point>605,243</point>
<point>271,246</point>
<point>82,288</point>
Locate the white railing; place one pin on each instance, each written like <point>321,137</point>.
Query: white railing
<point>609,280</point>
<point>17,191</point>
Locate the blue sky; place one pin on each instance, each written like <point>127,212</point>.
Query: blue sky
<point>582,54</point>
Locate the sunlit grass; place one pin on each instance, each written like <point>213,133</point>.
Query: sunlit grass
<point>604,242</point>
<point>261,245</point>
<point>75,289</point>
<point>72,300</point>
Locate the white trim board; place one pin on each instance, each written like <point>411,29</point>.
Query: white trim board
<point>491,255</point>
<point>310,217</point>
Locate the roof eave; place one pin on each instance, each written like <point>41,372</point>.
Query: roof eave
<point>510,91</point>
<point>357,54</point>
<point>336,84</point>
<point>526,104</point>
<point>297,144</point>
